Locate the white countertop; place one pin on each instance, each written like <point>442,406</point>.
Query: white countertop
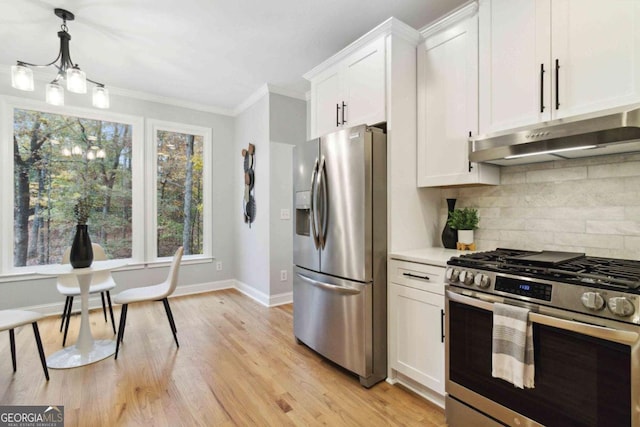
<point>432,256</point>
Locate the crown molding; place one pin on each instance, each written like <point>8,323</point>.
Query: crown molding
<point>151,97</point>
<point>44,78</point>
<point>462,12</point>
<point>266,89</point>
<point>391,26</point>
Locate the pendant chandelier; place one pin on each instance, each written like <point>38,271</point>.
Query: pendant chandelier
<point>22,75</point>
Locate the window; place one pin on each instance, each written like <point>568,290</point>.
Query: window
<point>57,160</point>
<point>181,213</point>
<point>146,198</point>
<point>179,192</point>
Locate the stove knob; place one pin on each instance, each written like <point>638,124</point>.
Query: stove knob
<point>468,278</point>
<point>620,306</point>
<point>447,274</point>
<point>592,300</point>
<point>455,274</point>
<point>463,276</point>
<point>482,280</point>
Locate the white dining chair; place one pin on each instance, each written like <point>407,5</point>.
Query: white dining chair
<point>158,292</point>
<point>101,282</point>
<point>11,319</point>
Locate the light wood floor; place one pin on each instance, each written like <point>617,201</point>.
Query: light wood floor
<point>238,364</point>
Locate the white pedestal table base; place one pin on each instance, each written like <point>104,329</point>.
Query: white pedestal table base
<point>71,357</point>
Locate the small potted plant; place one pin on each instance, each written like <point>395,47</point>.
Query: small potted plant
<point>464,220</point>
<point>81,255</point>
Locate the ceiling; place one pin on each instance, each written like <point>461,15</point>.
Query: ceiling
<point>208,52</point>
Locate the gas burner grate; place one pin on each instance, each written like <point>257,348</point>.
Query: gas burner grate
<point>584,270</point>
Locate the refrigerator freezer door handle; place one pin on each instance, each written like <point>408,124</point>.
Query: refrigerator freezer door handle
<point>322,226</point>
<point>328,286</point>
<point>314,232</point>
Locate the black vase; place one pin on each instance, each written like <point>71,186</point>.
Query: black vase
<point>449,235</point>
<point>81,255</point>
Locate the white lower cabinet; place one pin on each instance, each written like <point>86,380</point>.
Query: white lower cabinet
<point>416,327</point>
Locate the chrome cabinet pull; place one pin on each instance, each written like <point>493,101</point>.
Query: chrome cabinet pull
<point>337,115</point>
<point>441,325</point>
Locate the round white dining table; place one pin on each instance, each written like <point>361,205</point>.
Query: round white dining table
<point>86,350</point>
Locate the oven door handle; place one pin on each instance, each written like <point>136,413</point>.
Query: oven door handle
<point>614,335</point>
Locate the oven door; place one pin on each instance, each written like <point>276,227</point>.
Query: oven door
<point>585,375</point>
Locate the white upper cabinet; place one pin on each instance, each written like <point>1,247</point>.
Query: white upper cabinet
<point>448,104</point>
<point>325,107</point>
<point>542,59</point>
<point>351,92</point>
<point>514,63</point>
<point>364,85</point>
<point>597,45</point>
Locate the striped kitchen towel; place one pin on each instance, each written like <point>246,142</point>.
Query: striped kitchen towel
<point>512,353</point>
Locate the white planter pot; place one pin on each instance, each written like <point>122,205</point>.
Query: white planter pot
<point>465,236</point>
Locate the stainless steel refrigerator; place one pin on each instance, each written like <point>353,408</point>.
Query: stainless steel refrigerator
<point>340,249</point>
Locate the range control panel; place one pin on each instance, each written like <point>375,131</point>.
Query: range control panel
<point>535,290</point>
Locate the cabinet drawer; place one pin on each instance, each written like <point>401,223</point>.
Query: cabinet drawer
<point>420,276</point>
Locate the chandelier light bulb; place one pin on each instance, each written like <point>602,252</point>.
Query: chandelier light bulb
<point>100,97</point>
<point>22,77</point>
<point>54,94</point>
<point>76,80</point>
<point>101,154</point>
<point>66,152</point>
<point>91,155</point>
<point>76,150</point>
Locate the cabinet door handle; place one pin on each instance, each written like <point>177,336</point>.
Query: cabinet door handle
<point>441,325</point>
<point>542,88</point>
<point>337,115</point>
<point>557,84</point>
<point>344,107</point>
<point>416,276</point>
<point>470,166</point>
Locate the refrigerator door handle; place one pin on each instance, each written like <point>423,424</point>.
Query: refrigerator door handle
<point>314,231</point>
<point>328,286</point>
<point>322,225</point>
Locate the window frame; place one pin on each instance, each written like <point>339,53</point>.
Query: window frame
<point>152,127</point>
<point>8,105</point>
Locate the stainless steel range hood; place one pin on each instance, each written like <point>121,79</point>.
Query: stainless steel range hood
<point>606,132</point>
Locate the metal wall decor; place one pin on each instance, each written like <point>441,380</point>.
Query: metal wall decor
<point>249,201</point>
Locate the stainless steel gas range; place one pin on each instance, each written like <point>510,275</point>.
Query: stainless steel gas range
<point>585,313</point>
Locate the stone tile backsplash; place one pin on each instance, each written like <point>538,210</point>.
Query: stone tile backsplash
<point>589,205</point>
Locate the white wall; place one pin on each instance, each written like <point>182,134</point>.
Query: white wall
<point>589,205</point>
<point>252,243</point>
<point>274,124</point>
<point>281,231</point>
<point>287,127</point>
<point>42,292</point>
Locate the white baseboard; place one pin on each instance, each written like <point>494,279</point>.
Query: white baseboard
<point>262,298</point>
<point>204,287</point>
<point>251,292</point>
<point>434,397</point>
<point>280,299</point>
